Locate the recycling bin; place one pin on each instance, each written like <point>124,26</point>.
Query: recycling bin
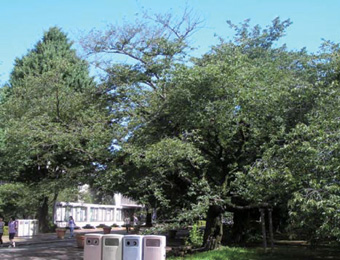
<point>132,247</point>
<point>112,247</point>
<point>34,227</point>
<point>154,247</point>
<point>23,227</point>
<point>93,246</point>
<point>27,227</point>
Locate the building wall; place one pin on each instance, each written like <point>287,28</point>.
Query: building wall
<point>94,214</point>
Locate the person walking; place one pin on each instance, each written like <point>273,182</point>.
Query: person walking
<point>135,220</point>
<point>2,225</point>
<point>12,229</point>
<point>127,221</point>
<point>71,225</point>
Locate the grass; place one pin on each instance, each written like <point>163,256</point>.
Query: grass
<point>279,253</point>
<point>224,253</point>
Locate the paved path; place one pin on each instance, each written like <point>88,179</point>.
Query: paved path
<point>52,237</point>
<point>47,246</point>
<point>50,251</point>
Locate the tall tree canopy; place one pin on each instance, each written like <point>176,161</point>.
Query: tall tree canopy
<point>304,170</point>
<point>153,49</point>
<point>192,129</point>
<point>55,120</point>
<point>249,124</point>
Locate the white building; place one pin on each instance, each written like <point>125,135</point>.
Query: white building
<point>95,214</point>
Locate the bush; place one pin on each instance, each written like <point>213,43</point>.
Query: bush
<point>88,226</point>
<point>195,236</point>
<point>156,230</point>
<point>101,226</point>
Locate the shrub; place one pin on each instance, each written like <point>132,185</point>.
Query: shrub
<point>88,226</point>
<point>195,236</point>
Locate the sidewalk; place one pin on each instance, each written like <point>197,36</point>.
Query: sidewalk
<point>52,237</point>
<point>45,238</point>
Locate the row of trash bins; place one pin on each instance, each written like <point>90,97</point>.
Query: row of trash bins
<point>124,247</point>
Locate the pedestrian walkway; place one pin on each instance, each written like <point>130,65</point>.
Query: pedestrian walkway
<point>52,237</point>
<point>46,238</point>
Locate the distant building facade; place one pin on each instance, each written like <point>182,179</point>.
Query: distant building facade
<point>95,214</point>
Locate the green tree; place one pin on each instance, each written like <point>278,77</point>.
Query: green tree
<point>303,170</point>
<point>239,99</point>
<point>55,121</point>
<point>191,128</point>
<point>153,49</point>
<point>17,199</point>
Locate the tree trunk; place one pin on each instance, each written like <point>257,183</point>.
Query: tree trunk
<point>263,228</point>
<point>240,226</point>
<point>271,234</point>
<point>55,197</point>
<point>148,221</point>
<point>43,215</point>
<point>213,230</point>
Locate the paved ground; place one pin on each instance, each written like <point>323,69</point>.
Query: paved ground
<point>52,250</point>
<point>46,246</point>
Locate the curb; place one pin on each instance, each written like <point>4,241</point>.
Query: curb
<point>35,241</point>
<point>47,238</point>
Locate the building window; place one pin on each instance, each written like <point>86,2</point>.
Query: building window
<point>94,214</point>
<point>80,214</point>
<point>68,213</point>
<point>118,215</point>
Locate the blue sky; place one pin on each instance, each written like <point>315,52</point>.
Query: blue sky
<point>22,22</point>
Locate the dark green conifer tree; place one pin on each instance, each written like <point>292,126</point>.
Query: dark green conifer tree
<point>55,120</point>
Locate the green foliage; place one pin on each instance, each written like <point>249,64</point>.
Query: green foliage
<point>247,124</point>
<point>69,194</point>
<point>193,132</point>
<point>55,120</point>
<point>17,200</point>
<point>155,230</point>
<point>195,236</point>
<point>301,171</point>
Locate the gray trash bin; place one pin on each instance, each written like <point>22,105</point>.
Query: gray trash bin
<point>93,246</point>
<point>112,247</point>
<point>133,247</point>
<point>154,247</point>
